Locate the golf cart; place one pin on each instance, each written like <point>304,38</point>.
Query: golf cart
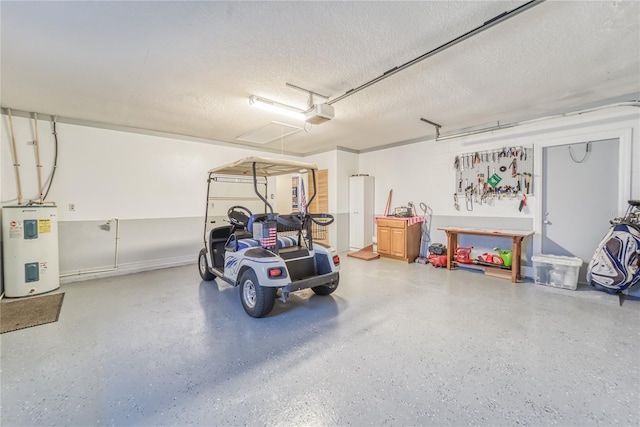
<point>248,245</point>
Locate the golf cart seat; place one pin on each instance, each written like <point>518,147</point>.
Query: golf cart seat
<point>283,242</point>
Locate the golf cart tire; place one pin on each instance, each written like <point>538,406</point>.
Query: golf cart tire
<point>257,301</point>
<point>324,289</point>
<point>203,267</point>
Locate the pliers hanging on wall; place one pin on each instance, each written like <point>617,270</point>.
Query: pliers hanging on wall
<point>468,197</point>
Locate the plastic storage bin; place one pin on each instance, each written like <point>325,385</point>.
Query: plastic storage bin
<point>557,271</point>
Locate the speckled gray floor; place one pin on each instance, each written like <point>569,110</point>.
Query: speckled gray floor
<point>396,345</point>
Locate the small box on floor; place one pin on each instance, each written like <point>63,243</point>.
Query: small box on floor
<point>557,271</point>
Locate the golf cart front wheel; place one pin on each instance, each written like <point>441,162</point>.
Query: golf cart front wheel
<point>256,300</point>
<point>203,266</point>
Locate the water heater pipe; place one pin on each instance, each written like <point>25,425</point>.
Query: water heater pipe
<point>38,163</point>
<point>16,163</point>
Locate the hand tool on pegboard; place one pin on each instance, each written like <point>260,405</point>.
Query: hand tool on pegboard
<point>523,202</point>
<point>527,182</point>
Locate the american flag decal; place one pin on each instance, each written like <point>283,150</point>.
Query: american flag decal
<point>269,236</point>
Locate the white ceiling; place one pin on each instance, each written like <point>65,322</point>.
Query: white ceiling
<point>189,68</point>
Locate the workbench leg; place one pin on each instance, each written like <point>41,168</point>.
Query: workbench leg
<point>452,243</point>
<point>515,263</point>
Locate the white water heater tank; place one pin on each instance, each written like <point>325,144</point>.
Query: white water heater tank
<point>30,250</point>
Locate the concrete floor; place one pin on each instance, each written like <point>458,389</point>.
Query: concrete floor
<point>396,344</point>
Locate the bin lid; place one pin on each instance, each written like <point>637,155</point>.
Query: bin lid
<point>558,260</point>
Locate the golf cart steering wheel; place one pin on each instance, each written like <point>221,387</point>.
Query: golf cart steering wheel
<point>237,217</point>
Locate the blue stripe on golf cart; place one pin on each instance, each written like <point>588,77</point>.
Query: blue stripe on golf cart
<point>283,242</point>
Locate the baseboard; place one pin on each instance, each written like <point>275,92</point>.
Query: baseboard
<point>130,268</point>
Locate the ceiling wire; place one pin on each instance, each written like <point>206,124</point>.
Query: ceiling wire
<point>282,142</point>
<point>485,26</point>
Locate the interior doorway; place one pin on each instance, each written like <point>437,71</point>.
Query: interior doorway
<point>580,196</point>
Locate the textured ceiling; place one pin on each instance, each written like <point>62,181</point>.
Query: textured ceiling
<point>189,67</point>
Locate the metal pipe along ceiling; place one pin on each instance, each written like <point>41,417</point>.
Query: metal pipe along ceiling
<point>488,24</point>
<point>634,103</point>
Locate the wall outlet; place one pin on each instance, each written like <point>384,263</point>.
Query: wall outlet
<point>72,207</point>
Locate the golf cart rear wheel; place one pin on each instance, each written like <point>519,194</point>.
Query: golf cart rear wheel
<point>325,289</point>
<point>203,268</point>
<point>256,300</point>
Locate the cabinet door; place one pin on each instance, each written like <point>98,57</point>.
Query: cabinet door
<point>398,242</point>
<point>384,240</point>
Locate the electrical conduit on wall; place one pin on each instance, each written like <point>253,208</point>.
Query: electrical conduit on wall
<point>16,163</point>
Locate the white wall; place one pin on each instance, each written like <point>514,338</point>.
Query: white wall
<point>341,165</point>
<point>423,172</point>
<point>107,173</point>
<point>114,174</point>
<point>130,176</point>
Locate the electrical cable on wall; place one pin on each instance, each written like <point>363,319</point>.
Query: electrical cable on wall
<point>36,142</point>
<point>16,164</point>
<point>48,183</point>
<point>55,158</point>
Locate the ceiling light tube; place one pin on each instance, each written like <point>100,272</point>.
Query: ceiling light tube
<point>267,104</point>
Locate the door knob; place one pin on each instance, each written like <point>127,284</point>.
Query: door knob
<point>547,222</point>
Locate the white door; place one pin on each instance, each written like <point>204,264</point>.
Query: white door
<point>356,207</point>
<point>360,211</point>
<point>580,196</point>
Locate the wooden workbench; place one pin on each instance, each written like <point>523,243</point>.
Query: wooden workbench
<point>516,236</point>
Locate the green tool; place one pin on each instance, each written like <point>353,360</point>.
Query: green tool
<point>494,180</point>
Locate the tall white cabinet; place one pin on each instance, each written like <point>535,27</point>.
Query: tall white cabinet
<point>361,211</point>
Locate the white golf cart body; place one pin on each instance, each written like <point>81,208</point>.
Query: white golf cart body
<point>274,251</point>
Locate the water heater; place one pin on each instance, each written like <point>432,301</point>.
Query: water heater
<point>30,250</point>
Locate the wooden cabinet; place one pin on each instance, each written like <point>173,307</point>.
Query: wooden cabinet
<point>398,242</point>
<point>384,240</point>
<point>398,239</point>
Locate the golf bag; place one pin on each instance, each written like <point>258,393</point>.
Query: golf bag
<point>615,266</point>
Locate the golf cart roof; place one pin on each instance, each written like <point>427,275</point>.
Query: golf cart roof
<point>264,167</point>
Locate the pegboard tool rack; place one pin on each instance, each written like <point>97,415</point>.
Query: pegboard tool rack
<point>491,175</point>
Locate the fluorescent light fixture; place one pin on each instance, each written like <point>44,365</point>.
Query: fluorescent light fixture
<point>276,107</point>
